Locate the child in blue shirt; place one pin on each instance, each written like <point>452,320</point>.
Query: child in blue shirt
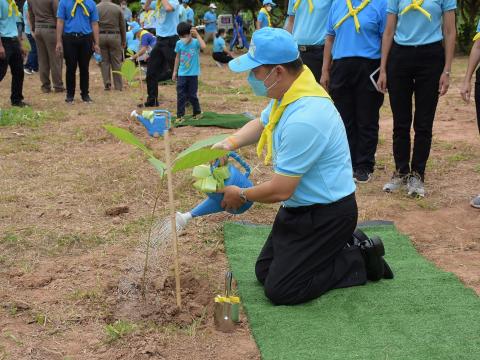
<point>187,68</point>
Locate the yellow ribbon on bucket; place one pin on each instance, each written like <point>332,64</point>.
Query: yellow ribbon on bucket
<point>417,5</point>
<point>310,5</point>
<point>304,85</point>
<point>77,3</point>
<point>352,13</point>
<point>11,7</point>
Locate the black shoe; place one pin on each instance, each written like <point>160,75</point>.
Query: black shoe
<point>372,251</point>
<point>108,87</point>
<point>388,273</point>
<point>69,100</point>
<point>149,104</point>
<point>20,104</point>
<point>87,99</point>
<point>362,176</point>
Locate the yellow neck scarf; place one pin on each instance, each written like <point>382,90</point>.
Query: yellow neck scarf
<point>74,9</point>
<point>263,10</point>
<point>11,7</point>
<point>304,85</point>
<point>310,5</point>
<point>417,5</point>
<point>353,13</point>
<point>476,37</point>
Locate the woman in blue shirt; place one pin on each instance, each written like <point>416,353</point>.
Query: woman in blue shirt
<point>415,63</point>
<point>263,19</point>
<point>354,43</point>
<point>220,51</point>
<point>473,62</point>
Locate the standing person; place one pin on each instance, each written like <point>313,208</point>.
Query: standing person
<point>187,68</point>
<point>31,65</point>
<point>307,21</point>
<point>162,58</point>
<point>355,42</point>
<point>220,52</point>
<point>127,13</point>
<point>77,39</point>
<point>189,13</point>
<point>465,90</point>
<point>238,33</point>
<point>310,249</point>
<point>112,42</point>
<point>43,21</point>
<point>210,21</point>
<point>264,19</point>
<point>11,51</point>
<point>148,17</point>
<point>415,62</point>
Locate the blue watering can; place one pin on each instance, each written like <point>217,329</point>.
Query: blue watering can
<point>156,126</point>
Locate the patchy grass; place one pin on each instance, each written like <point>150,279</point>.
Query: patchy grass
<point>22,117</point>
<point>119,329</point>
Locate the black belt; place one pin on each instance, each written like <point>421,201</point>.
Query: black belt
<point>307,48</point>
<point>78,35</point>
<point>109,32</point>
<point>426,46</point>
<point>44,26</point>
<point>167,37</point>
<point>9,39</point>
<point>303,209</point>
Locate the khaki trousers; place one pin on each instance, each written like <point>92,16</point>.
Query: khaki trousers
<point>112,56</point>
<point>48,60</point>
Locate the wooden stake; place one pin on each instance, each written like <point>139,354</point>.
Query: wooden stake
<point>173,219</point>
<point>140,77</point>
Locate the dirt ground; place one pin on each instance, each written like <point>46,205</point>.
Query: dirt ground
<point>62,258</point>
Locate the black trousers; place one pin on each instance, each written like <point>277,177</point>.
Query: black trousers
<point>187,87</point>
<point>160,65</point>
<point>358,102</point>
<point>413,71</point>
<point>312,56</point>
<point>221,57</point>
<point>14,59</point>
<point>305,254</point>
<point>77,51</point>
<point>477,97</point>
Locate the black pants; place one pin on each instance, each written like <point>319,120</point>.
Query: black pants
<point>313,58</point>
<point>187,87</point>
<point>160,65</point>
<point>77,51</point>
<point>305,254</point>
<point>358,102</point>
<point>477,97</point>
<point>14,59</point>
<point>413,70</point>
<point>221,57</point>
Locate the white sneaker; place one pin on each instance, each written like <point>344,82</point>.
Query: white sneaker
<point>397,182</point>
<point>415,186</point>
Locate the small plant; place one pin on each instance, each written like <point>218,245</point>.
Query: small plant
<point>118,329</point>
<point>132,75</point>
<point>21,117</point>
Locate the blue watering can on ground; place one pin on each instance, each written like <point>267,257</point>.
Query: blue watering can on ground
<point>212,204</point>
<point>158,124</point>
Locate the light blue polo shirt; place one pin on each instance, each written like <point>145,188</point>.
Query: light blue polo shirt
<point>218,44</point>
<point>27,30</point>
<point>8,24</point>
<point>310,141</point>
<point>132,43</point>
<point>167,22</point>
<point>262,19</point>
<point>212,27</point>
<point>190,15</point>
<point>80,23</point>
<point>189,58</point>
<point>414,28</point>
<point>348,42</point>
<point>310,28</point>
<point>182,14</point>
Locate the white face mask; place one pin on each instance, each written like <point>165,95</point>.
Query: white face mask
<point>269,8</point>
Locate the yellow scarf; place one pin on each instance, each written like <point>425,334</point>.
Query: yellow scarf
<point>263,10</point>
<point>417,5</point>
<point>74,9</point>
<point>353,13</point>
<point>304,85</point>
<point>310,5</point>
<point>12,6</point>
<point>476,37</point>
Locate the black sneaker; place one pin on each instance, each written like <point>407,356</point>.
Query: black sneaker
<point>20,103</point>
<point>87,99</point>
<point>372,252</point>
<point>149,104</point>
<point>69,100</point>
<point>362,176</point>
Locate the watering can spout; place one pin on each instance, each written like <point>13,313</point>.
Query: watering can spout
<point>207,206</point>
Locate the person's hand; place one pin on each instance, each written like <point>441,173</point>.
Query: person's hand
<point>228,144</point>
<point>465,91</point>
<point>443,84</point>
<point>231,197</point>
<point>24,51</point>
<point>96,48</point>
<point>194,32</point>
<point>325,80</point>
<point>59,49</point>
<point>174,77</point>
<point>382,81</point>
<point>124,45</point>
<point>2,52</point>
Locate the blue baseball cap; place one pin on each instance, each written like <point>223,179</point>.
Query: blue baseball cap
<point>268,2</point>
<point>269,46</point>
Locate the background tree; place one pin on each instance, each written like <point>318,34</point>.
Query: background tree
<point>468,12</point>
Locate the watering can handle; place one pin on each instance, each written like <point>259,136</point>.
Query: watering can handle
<point>242,162</point>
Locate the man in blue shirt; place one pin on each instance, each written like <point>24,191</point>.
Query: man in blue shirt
<point>239,37</point>
<point>263,19</point>
<point>11,51</point>
<point>313,246</point>
<point>162,58</point>
<point>210,21</point>
<point>308,24</point>
<point>77,39</point>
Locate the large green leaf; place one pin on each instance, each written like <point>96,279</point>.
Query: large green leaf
<point>158,165</point>
<point>127,137</point>
<point>128,70</point>
<point>202,144</point>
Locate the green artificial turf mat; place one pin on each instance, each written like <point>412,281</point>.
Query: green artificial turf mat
<point>424,313</point>
<point>228,121</point>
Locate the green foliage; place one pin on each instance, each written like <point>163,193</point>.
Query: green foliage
<point>118,329</point>
<point>21,117</point>
<point>129,71</point>
<point>468,11</point>
<point>136,7</point>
